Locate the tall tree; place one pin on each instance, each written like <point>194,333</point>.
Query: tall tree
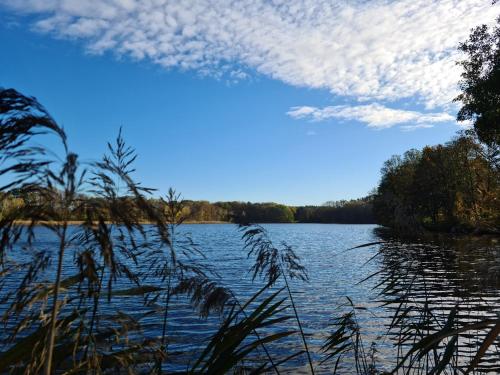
<point>480,83</point>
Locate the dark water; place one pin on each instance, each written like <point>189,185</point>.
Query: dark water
<point>443,274</point>
<point>434,278</point>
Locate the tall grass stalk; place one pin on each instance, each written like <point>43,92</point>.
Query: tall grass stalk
<point>52,331</point>
<point>272,263</point>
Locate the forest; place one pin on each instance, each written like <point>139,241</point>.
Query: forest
<point>450,188</point>
<point>356,211</point>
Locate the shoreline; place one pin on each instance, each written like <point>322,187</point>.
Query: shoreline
<point>400,233</point>
<point>79,222</point>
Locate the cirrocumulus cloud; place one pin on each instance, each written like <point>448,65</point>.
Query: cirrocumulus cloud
<point>378,51</point>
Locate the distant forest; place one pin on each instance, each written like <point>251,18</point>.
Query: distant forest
<point>358,211</point>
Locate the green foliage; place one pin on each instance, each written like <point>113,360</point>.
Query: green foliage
<point>480,83</point>
<point>451,187</point>
<point>230,346</point>
<point>357,211</point>
<point>273,263</point>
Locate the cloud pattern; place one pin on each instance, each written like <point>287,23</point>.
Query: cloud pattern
<point>373,115</point>
<point>377,51</point>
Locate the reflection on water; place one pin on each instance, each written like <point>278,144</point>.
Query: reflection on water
<point>422,282</point>
<point>427,279</point>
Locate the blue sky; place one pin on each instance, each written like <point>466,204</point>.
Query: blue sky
<point>222,111</point>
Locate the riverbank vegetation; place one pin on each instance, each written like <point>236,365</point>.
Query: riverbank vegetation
<point>453,187</point>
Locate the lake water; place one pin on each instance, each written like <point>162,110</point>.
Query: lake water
<point>443,274</point>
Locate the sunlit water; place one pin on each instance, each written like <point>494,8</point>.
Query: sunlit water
<point>443,275</point>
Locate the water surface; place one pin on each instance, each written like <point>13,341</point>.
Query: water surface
<point>444,275</point>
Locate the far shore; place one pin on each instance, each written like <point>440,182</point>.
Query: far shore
<point>428,234</point>
<point>79,222</point>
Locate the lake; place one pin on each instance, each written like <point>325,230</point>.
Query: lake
<point>443,274</point>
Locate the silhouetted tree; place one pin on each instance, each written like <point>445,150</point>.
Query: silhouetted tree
<point>480,83</point>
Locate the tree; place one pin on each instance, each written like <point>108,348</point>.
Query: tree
<point>393,203</point>
<point>480,83</point>
<point>444,187</point>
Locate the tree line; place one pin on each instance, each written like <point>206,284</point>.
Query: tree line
<point>452,187</point>
<point>356,211</point>
<point>342,212</point>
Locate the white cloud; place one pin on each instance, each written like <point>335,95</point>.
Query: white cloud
<point>410,128</point>
<point>378,50</point>
<point>373,115</point>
